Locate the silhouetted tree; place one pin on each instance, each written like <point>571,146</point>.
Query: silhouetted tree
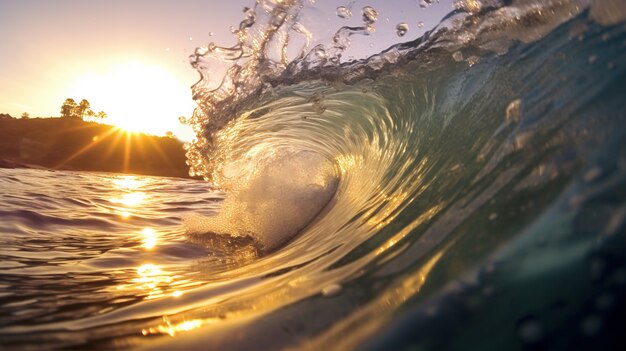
<point>101,116</point>
<point>68,109</point>
<point>25,115</point>
<point>83,109</point>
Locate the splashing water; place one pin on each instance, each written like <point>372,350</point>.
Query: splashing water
<point>464,188</point>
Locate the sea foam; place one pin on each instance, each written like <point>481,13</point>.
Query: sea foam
<point>271,198</point>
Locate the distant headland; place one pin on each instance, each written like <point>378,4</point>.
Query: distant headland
<point>68,143</point>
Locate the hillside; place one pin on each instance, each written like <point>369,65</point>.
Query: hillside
<point>72,144</point>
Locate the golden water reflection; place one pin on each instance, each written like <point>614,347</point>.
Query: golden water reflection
<point>149,238</point>
<point>129,194</point>
<point>172,328</point>
<point>151,279</point>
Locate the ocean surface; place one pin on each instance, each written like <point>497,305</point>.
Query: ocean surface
<point>462,190</point>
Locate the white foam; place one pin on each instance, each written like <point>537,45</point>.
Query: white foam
<point>272,198</point>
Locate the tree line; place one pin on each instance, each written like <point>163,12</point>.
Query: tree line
<point>81,110</point>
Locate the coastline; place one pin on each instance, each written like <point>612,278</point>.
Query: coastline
<point>75,145</point>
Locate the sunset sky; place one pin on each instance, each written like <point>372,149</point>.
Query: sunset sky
<point>130,58</point>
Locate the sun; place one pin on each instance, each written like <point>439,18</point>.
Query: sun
<point>137,97</point>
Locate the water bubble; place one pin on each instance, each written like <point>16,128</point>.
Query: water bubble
<point>344,12</point>
<point>457,56</point>
<point>370,15</point>
<point>472,60</point>
<point>469,6</point>
<point>425,3</point>
<point>402,29</point>
<point>420,24</point>
<point>211,34</point>
<point>201,51</point>
<point>514,111</point>
<point>331,290</point>
<point>320,52</point>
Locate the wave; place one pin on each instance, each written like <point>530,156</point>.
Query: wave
<point>487,140</point>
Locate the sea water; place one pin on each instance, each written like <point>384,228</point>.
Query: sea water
<point>464,189</point>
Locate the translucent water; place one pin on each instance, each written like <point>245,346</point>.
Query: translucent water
<point>461,190</point>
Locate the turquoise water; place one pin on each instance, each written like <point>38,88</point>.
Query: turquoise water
<point>464,190</point>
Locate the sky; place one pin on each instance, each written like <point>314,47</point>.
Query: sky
<point>129,58</point>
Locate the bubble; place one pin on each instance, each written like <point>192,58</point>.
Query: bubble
<point>493,216</point>
<point>469,6</point>
<point>457,56</point>
<point>320,52</point>
<point>370,15</point>
<point>472,60</point>
<point>402,29</point>
<point>425,3</point>
<point>331,290</point>
<point>592,59</point>
<point>211,34</point>
<point>514,111</point>
<point>420,24</point>
<point>344,12</point>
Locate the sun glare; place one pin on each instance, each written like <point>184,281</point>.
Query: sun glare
<point>137,97</point>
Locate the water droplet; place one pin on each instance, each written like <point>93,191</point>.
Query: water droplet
<point>190,38</point>
<point>425,3</point>
<point>469,6</point>
<point>472,60</point>
<point>530,330</point>
<point>493,216</point>
<point>331,290</point>
<point>420,24</point>
<point>402,29</point>
<point>593,59</point>
<point>320,52</point>
<point>457,56</point>
<point>514,111</point>
<point>370,15</point>
<point>344,12</point>
<point>211,34</point>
